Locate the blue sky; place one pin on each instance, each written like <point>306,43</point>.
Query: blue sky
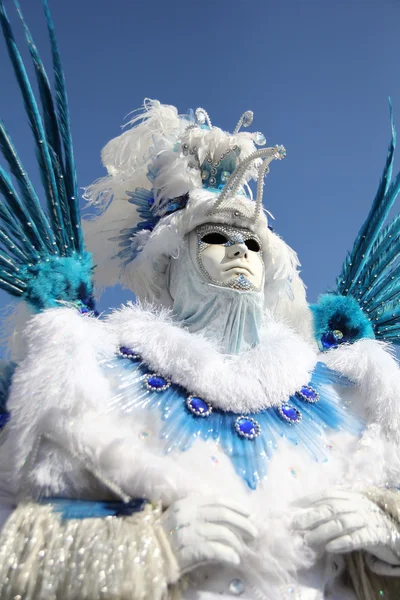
<point>316,73</point>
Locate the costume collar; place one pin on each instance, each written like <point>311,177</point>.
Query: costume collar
<point>259,378</point>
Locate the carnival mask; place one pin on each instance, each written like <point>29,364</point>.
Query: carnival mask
<point>228,256</point>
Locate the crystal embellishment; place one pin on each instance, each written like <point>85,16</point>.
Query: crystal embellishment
<point>259,138</point>
<point>308,394</point>
<point>329,340</point>
<point>236,587</point>
<point>247,428</point>
<point>280,152</point>
<point>201,117</point>
<point>198,406</point>
<point>247,118</point>
<point>127,352</point>
<point>289,413</point>
<point>156,383</point>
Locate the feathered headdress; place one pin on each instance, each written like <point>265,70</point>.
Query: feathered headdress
<point>167,174</point>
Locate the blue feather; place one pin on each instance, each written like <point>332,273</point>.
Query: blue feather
<point>51,129</point>
<point>34,213</point>
<point>370,275</point>
<point>48,110</point>
<point>384,255</point>
<point>63,114</point>
<point>369,232</point>
<point>43,153</point>
<point>8,191</point>
<point>42,261</point>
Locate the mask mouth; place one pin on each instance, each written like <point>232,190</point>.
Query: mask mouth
<point>239,267</point>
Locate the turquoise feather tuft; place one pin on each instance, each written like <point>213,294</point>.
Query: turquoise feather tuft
<point>335,312</point>
<point>59,280</point>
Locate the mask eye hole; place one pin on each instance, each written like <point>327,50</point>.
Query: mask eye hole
<point>214,238</point>
<point>253,245</point>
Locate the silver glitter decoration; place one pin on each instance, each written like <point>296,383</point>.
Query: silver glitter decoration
<point>43,557</point>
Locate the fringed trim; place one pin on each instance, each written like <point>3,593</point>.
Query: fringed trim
<point>43,557</point>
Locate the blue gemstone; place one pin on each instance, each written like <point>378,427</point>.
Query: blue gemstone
<point>309,393</point>
<point>291,413</point>
<point>247,426</point>
<point>329,340</point>
<point>156,381</point>
<point>128,352</point>
<point>4,418</point>
<point>198,405</point>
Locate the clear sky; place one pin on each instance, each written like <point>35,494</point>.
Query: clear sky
<point>316,73</point>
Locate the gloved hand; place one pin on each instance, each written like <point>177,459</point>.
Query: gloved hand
<point>339,522</point>
<point>206,529</point>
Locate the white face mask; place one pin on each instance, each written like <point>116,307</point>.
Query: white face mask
<point>228,256</point>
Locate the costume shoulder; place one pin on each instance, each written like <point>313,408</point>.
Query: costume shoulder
<point>42,255</point>
<point>366,300</point>
<point>372,366</point>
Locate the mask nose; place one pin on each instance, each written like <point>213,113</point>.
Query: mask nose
<point>236,251</point>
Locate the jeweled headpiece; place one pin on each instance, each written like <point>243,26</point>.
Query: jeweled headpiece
<point>167,174</point>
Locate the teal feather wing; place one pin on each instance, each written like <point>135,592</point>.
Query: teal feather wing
<point>42,255</point>
<point>366,302</point>
<point>383,202</point>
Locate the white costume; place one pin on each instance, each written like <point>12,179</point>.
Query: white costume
<point>200,443</point>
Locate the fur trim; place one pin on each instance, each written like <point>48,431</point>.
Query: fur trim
<point>245,383</point>
<point>372,365</point>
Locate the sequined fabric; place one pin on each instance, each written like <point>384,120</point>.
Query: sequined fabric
<point>43,557</point>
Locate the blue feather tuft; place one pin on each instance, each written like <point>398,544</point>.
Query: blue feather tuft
<point>59,280</point>
<point>335,312</point>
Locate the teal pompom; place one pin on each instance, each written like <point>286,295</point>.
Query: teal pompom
<point>339,319</point>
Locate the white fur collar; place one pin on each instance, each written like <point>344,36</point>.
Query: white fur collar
<point>259,378</point>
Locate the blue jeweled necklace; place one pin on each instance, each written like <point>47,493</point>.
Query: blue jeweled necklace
<point>248,439</point>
